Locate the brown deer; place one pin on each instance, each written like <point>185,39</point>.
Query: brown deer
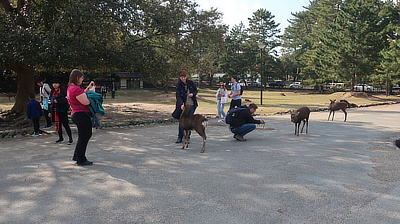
<point>9,95</point>
<point>299,115</point>
<point>334,106</point>
<point>195,122</point>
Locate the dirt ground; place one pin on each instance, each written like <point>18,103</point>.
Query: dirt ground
<point>116,113</point>
<point>119,111</point>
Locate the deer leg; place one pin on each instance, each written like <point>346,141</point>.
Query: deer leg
<point>204,143</point>
<point>183,139</point>
<point>187,139</point>
<point>302,128</point>
<point>333,114</point>
<point>298,128</point>
<point>202,132</point>
<point>329,114</point>
<point>345,115</point>
<point>204,140</point>
<point>307,127</point>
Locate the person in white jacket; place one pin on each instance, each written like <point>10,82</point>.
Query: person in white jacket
<point>45,92</point>
<point>222,99</point>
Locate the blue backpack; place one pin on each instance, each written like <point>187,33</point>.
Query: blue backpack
<point>232,114</point>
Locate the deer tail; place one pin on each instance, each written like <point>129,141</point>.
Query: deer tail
<point>204,122</point>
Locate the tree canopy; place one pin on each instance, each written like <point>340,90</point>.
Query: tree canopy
<point>155,38</point>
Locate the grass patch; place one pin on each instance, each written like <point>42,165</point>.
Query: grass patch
<point>273,100</point>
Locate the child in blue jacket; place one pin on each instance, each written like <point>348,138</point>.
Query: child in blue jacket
<point>34,113</point>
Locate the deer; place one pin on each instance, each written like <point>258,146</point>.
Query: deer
<point>334,106</point>
<point>195,122</point>
<point>302,114</point>
<point>9,95</point>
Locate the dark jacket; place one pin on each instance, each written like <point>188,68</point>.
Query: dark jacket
<point>181,96</point>
<point>62,105</point>
<point>33,109</point>
<point>244,117</point>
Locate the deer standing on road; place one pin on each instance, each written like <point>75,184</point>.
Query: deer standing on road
<point>301,114</point>
<point>195,122</point>
<point>334,106</point>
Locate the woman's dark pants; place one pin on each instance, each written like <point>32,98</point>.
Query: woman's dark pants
<point>82,121</point>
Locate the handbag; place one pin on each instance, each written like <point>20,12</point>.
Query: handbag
<point>177,113</point>
<point>94,120</point>
<point>224,100</point>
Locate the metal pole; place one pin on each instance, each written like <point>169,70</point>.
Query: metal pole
<point>387,83</point>
<point>262,71</point>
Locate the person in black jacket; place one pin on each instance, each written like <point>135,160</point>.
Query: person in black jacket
<point>244,122</point>
<point>186,92</point>
<point>59,110</point>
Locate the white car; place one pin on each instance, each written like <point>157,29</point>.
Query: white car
<point>255,84</point>
<point>359,87</point>
<point>296,85</point>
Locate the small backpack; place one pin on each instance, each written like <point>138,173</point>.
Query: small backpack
<point>232,114</point>
<point>241,88</point>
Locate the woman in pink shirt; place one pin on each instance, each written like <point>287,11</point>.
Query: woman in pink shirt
<point>78,101</point>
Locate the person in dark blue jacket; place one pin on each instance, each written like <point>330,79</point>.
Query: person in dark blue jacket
<point>186,92</point>
<point>34,113</point>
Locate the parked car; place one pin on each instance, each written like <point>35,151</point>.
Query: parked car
<point>255,84</point>
<point>337,86</point>
<point>296,85</point>
<point>359,87</point>
<point>279,84</point>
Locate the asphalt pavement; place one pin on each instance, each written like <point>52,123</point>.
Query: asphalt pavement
<point>341,172</point>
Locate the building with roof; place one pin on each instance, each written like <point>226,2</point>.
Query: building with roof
<point>129,80</point>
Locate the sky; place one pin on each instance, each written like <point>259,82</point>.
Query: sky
<point>236,11</point>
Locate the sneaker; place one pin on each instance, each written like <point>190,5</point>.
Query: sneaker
<point>70,142</point>
<point>35,135</point>
<point>86,163</point>
<point>239,138</point>
<point>59,141</point>
<point>179,140</point>
<point>219,120</point>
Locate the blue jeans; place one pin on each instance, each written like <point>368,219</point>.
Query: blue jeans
<point>221,109</point>
<point>246,128</point>
<point>180,133</point>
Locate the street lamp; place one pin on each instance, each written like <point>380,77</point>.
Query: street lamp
<point>261,46</point>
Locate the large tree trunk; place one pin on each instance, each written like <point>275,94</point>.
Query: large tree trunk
<point>26,85</point>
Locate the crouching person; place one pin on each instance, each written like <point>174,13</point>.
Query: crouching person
<point>244,123</point>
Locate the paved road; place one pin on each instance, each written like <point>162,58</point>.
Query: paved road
<point>341,172</point>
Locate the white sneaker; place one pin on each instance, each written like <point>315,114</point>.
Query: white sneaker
<point>219,120</point>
